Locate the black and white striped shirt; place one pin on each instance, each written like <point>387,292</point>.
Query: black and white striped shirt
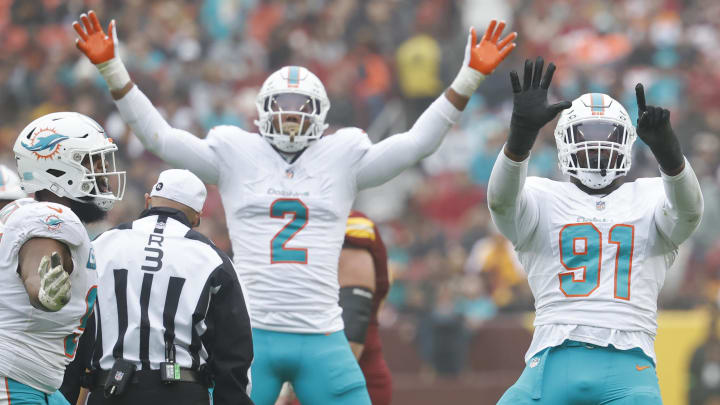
<point>158,281</point>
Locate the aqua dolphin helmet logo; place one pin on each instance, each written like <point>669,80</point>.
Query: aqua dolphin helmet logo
<point>44,145</point>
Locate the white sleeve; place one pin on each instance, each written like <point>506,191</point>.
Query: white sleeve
<point>679,214</point>
<point>178,148</point>
<point>513,209</point>
<point>388,158</point>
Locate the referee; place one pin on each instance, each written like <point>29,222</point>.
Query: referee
<point>171,317</point>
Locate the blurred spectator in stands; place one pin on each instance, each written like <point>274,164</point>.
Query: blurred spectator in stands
<point>418,65</point>
<point>373,78</point>
<point>493,257</point>
<point>704,384</point>
<point>475,304</point>
<point>448,337</point>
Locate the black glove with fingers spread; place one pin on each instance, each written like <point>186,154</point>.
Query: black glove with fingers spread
<point>530,107</point>
<point>653,127</point>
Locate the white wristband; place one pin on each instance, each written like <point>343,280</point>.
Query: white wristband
<point>114,73</point>
<point>467,81</point>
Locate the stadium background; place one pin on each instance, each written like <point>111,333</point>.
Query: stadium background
<point>457,321</point>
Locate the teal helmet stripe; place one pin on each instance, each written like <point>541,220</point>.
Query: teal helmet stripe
<point>596,103</point>
<point>293,76</point>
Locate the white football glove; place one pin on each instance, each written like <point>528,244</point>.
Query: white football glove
<point>54,283</point>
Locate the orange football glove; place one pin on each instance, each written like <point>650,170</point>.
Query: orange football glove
<point>102,50</point>
<point>93,41</point>
<point>487,55</point>
<point>482,58</point>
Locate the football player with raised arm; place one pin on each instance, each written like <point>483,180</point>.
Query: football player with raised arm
<point>287,192</point>
<point>48,267</point>
<point>595,248</point>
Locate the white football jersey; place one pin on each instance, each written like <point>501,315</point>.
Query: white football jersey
<point>36,346</point>
<point>287,220</point>
<point>595,262</point>
<point>287,224</point>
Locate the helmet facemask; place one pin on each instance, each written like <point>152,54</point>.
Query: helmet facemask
<point>291,120</point>
<point>596,152</point>
<point>292,106</point>
<point>102,184</point>
<point>594,139</point>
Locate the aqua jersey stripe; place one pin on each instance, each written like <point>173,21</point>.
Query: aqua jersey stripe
<point>596,103</point>
<point>293,76</point>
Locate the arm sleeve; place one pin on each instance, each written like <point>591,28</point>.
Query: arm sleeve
<point>228,339</point>
<point>679,214</point>
<point>388,158</point>
<point>178,148</point>
<point>513,210</point>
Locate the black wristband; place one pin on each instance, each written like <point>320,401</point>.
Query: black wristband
<point>669,154</point>
<point>520,140</point>
<point>356,303</point>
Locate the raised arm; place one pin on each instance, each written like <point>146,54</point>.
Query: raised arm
<point>177,147</point>
<point>514,211</point>
<point>679,214</point>
<point>388,158</point>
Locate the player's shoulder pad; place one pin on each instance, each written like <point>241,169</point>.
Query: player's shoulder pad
<point>350,131</point>
<point>229,133</point>
<point>540,182</point>
<point>348,134</point>
<point>648,181</point>
<point>360,227</point>
<point>49,220</point>
<point>647,185</point>
<point>229,140</point>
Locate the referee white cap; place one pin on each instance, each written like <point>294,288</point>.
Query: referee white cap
<point>181,186</point>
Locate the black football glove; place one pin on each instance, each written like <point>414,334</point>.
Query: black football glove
<point>530,107</point>
<point>653,127</point>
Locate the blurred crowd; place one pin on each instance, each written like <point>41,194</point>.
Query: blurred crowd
<point>383,62</point>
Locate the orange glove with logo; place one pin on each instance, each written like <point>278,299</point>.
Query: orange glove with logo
<point>483,57</point>
<point>101,49</point>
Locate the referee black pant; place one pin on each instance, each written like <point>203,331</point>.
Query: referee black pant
<point>151,391</point>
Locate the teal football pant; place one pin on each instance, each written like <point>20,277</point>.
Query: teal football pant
<point>321,368</point>
<point>576,373</point>
<point>16,393</point>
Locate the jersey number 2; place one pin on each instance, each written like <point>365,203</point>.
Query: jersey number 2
<point>581,248</point>
<point>279,253</point>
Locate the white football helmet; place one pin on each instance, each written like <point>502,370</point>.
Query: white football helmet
<point>292,106</point>
<point>69,154</point>
<point>594,139</point>
<point>10,184</point>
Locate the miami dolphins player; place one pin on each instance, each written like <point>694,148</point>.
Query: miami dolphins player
<point>596,248</point>
<point>287,193</point>
<point>47,264</point>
